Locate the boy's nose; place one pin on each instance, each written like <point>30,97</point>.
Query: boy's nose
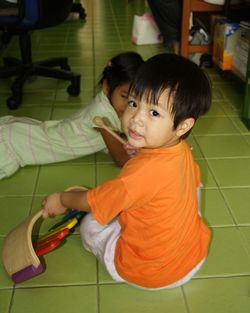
<point>138,117</point>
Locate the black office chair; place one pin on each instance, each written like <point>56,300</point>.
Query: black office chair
<point>35,14</point>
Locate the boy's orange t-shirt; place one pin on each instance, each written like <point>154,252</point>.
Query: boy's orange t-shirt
<point>154,197</point>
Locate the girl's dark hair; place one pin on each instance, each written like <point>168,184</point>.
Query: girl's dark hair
<point>121,69</point>
<point>188,86</point>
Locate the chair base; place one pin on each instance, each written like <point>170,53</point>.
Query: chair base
<point>25,68</point>
<point>14,67</point>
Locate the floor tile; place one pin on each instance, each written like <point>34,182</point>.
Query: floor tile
<point>74,103</point>
<point>240,125</point>
<point>21,183</point>
<point>227,254</point>
<point>55,300</point>
<point>5,297</point>
<point>106,171</point>
<point>238,200</point>
<point>58,178</point>
<point>229,109</point>
<point>88,159</point>
<point>231,172</point>
<point>60,113</point>
<point>196,151</point>
<point>39,113</point>
<point>216,109</point>
<point>123,298</point>
<point>103,157</point>
<point>5,281</point>
<point>214,209</point>
<point>103,275</point>
<point>233,92</point>
<point>223,295</point>
<point>207,178</point>
<point>209,125</point>
<point>69,264</point>
<point>3,107</point>
<point>38,97</point>
<point>246,233</point>
<point>12,211</point>
<point>247,138</point>
<point>223,146</point>
<point>217,93</point>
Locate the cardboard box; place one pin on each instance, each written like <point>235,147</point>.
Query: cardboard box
<point>225,37</point>
<point>241,52</point>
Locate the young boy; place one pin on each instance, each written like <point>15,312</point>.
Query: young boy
<point>145,225</point>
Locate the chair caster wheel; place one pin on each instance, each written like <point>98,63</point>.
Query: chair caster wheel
<point>13,103</point>
<point>82,15</point>
<point>73,91</point>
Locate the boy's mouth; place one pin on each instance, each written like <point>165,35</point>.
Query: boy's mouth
<point>134,135</point>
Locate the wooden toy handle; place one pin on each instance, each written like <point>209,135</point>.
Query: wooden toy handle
<point>100,123</point>
<point>18,251</point>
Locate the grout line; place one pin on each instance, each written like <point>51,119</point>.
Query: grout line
<point>227,276</point>
<point>185,299</point>
<point>11,299</point>
<point>98,295</point>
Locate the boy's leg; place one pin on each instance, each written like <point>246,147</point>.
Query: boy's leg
<point>101,241</point>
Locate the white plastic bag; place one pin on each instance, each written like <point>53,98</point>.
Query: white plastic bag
<point>145,30</point>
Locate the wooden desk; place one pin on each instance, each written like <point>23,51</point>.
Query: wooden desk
<point>190,6</point>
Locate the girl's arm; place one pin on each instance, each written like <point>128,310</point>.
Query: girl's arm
<point>58,203</point>
<point>116,148</point>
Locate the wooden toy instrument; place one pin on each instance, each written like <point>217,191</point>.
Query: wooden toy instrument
<point>20,254</point>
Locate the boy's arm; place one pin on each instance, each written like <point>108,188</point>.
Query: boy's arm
<point>58,203</point>
<point>116,148</point>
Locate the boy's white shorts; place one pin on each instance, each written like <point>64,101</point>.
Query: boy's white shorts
<point>101,241</point>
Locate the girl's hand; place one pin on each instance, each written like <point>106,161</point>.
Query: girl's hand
<point>131,151</point>
<point>52,205</point>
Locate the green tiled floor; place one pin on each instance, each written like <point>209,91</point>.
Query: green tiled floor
<point>73,280</point>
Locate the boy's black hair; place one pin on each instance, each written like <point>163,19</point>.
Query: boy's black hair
<point>121,69</point>
<point>188,85</point>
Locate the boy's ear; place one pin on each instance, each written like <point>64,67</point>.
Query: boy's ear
<point>185,126</point>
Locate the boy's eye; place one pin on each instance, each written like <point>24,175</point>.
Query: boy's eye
<point>154,113</point>
<point>132,103</point>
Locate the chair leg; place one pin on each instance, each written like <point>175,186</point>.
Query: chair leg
<point>73,89</point>
<point>15,100</point>
<point>7,72</point>
<point>25,46</point>
<point>54,62</point>
<point>9,61</point>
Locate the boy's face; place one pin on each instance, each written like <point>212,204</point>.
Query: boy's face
<point>148,125</point>
<point>119,98</point>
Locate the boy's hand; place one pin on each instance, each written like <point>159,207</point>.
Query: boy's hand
<point>52,205</point>
<point>131,151</point>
